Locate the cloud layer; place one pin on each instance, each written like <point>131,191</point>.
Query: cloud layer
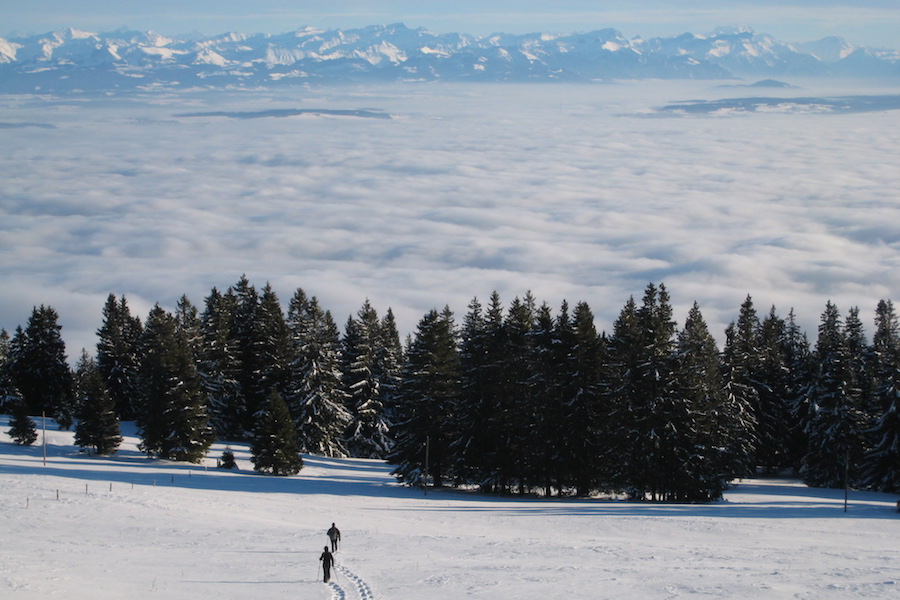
<point>561,190</point>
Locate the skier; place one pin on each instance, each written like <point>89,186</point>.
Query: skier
<point>327,560</point>
<point>334,534</point>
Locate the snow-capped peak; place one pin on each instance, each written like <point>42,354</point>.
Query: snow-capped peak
<point>397,52</point>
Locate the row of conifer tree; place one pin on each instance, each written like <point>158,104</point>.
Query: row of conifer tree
<point>519,398</point>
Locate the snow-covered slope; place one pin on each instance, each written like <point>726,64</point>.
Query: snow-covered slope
<point>73,59</point>
<point>83,527</point>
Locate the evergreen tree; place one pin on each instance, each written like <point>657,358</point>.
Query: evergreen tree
<point>740,433</point>
<point>4,346</point>
<point>97,425</point>
<point>798,362</point>
<point>469,446</point>
<point>118,357</point>
<point>249,364</point>
<point>862,364</point>
<point>174,421</point>
<point>835,425</point>
<point>716,429</point>
<point>40,370</point>
<point>274,448</point>
<point>390,362</point>
<point>227,461</point>
<point>487,397</point>
<point>515,399</point>
<point>9,394</point>
<point>430,391</point>
<point>645,406</point>
<point>273,343</point>
<point>22,427</point>
<point>220,367</point>
<point>368,433</point>
<point>655,414</point>
<point>742,363</point>
<point>314,396</point>
<point>623,393</point>
<point>882,465</point>
<point>548,434</point>
<point>772,383</point>
<point>188,326</point>
<point>583,457</point>
<point>23,430</point>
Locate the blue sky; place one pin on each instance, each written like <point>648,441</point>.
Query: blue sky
<point>870,22</point>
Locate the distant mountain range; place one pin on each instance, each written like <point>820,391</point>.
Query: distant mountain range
<point>125,60</point>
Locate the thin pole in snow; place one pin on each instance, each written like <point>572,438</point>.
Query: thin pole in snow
<point>44,426</point>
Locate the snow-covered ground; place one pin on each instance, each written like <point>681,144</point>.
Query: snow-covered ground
<point>128,527</point>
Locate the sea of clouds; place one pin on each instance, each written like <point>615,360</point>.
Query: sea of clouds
<point>576,192</point>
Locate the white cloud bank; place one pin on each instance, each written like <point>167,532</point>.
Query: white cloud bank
<point>556,189</point>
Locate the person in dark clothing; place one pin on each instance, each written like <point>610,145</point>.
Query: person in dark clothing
<point>327,560</point>
<point>334,534</point>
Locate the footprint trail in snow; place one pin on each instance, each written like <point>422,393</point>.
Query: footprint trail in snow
<point>359,589</point>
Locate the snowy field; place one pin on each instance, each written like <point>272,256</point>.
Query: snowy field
<point>129,527</point>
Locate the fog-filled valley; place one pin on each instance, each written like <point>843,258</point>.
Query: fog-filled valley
<point>577,192</point>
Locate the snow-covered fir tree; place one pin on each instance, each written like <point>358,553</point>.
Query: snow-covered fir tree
<point>188,325</point>
<point>740,432</point>
<point>547,435</point>
<point>834,429</point>
<point>314,395</point>
<point>882,464</point>
<point>368,434</point>
<point>118,354</point>
<point>495,383</point>
<point>96,426</point>
<point>173,419</point>
<point>249,361</point>
<point>660,413</point>
<point>8,392</point>
<point>583,423</point>
<point>274,448</point>
<point>862,363</point>
<point>390,363</point>
<point>799,364</point>
<point>23,430</point>
<point>516,400</point>
<point>272,342</point>
<point>219,367</point>
<point>39,368</point>
<point>711,420</point>
<point>622,381</point>
<point>431,388</point>
<point>742,358</point>
<point>772,383</point>
<point>650,440</point>
<point>469,443</point>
